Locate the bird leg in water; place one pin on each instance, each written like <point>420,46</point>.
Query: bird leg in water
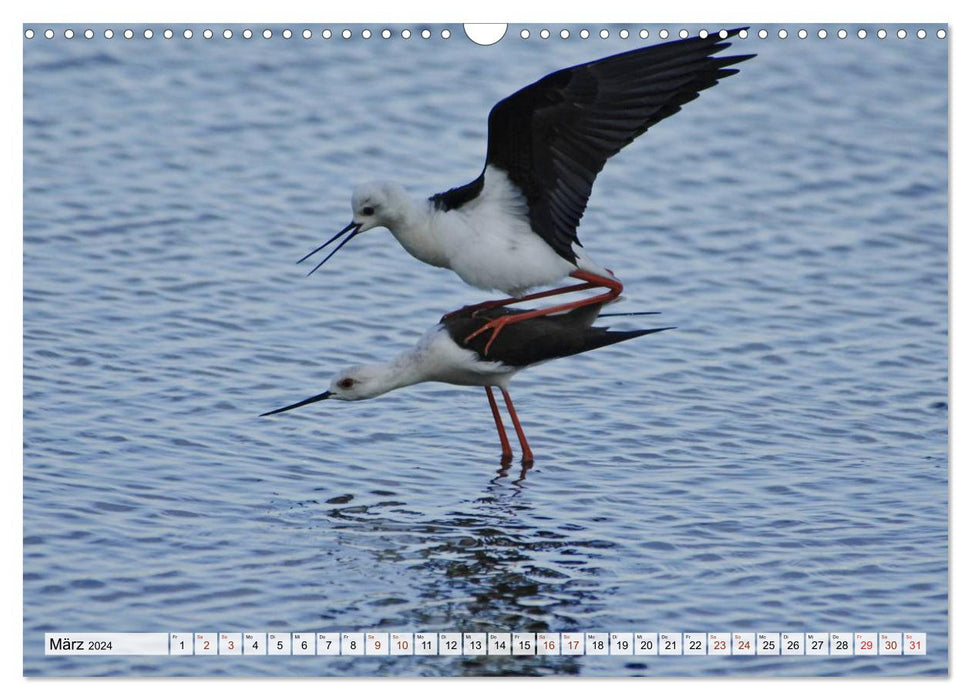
<point>614,287</point>
<point>503,440</point>
<point>527,453</point>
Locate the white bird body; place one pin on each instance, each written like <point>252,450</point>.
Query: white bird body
<point>488,242</point>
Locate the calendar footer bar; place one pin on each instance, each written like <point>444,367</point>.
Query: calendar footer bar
<point>824,644</point>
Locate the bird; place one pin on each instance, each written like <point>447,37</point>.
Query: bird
<point>514,227</point>
<point>444,355</point>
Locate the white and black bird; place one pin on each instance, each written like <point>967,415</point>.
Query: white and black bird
<point>514,227</point>
<point>444,355</point>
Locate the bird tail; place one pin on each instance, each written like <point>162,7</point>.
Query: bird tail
<point>605,337</point>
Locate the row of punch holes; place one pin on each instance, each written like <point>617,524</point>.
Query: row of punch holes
<point>447,34</point>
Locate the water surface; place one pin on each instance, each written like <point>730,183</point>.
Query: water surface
<point>777,463</point>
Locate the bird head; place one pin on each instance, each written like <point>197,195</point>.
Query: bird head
<point>374,204</point>
<point>353,384</point>
<point>360,382</point>
<point>377,204</point>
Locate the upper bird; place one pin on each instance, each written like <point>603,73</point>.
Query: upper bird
<point>443,355</point>
<point>514,227</point>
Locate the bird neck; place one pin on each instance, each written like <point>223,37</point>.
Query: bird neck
<point>417,233</point>
<point>405,370</point>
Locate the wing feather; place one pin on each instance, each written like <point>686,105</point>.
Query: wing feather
<point>552,138</point>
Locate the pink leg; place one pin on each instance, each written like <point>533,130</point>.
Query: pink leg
<point>614,288</point>
<point>475,308</point>
<point>527,453</point>
<point>503,440</point>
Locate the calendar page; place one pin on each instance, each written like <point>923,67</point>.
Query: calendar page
<point>524,349</point>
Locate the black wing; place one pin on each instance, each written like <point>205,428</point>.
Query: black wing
<point>538,339</point>
<point>554,136</point>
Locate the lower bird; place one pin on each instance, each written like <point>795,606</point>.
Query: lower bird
<point>444,354</point>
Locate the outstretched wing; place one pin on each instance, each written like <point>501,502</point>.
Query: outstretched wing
<point>552,137</point>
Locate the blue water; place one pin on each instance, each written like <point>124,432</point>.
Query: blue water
<point>777,463</point>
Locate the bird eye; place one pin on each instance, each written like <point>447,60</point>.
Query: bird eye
<point>346,383</point>
<point>368,211</point>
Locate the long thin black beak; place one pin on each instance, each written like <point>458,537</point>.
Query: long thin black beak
<point>312,399</point>
<point>353,227</point>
